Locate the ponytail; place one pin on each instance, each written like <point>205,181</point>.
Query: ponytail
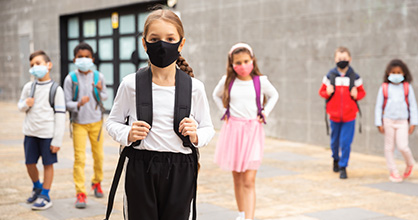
<point>183,65</point>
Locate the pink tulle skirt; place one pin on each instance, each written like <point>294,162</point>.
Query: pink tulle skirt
<point>240,145</point>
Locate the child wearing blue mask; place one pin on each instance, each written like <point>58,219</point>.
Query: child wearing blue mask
<point>44,104</point>
<point>85,90</point>
<point>396,116</point>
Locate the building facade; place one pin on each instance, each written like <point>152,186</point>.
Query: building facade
<point>293,41</point>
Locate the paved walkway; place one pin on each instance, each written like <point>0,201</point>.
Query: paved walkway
<point>294,182</point>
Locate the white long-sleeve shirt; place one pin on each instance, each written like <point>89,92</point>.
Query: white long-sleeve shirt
<point>242,97</point>
<point>396,107</point>
<point>41,121</point>
<point>89,112</point>
<point>161,137</point>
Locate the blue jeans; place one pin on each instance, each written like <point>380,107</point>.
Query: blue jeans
<point>342,134</point>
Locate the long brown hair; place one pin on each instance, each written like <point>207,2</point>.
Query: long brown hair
<point>170,17</point>
<point>231,74</point>
<point>402,65</point>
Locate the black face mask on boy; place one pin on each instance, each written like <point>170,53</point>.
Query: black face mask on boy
<point>162,54</point>
<point>342,64</point>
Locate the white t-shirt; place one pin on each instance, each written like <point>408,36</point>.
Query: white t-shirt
<point>41,121</point>
<point>161,136</point>
<point>242,97</point>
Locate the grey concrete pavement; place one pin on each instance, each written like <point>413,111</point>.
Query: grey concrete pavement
<point>295,181</point>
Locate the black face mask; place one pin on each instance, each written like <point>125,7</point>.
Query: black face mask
<point>162,54</point>
<point>342,64</point>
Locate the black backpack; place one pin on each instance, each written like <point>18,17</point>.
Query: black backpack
<point>52,92</point>
<point>182,106</point>
<point>352,75</point>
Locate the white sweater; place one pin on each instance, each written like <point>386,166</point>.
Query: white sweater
<point>161,136</point>
<point>41,121</point>
<point>242,98</point>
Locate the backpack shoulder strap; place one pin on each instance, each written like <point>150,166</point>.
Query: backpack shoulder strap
<point>332,76</point>
<point>352,75</point>
<point>32,90</point>
<point>385,87</point>
<point>257,87</point>
<point>182,102</point>
<point>96,79</point>
<point>52,92</point>
<point>74,80</point>
<point>406,92</point>
<point>143,96</point>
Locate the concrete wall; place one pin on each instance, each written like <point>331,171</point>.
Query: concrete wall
<point>29,25</point>
<point>293,40</point>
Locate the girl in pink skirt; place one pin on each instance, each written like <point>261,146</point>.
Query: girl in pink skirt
<point>247,97</point>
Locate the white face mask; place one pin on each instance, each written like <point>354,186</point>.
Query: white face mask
<point>39,71</point>
<point>396,78</point>
<point>84,64</point>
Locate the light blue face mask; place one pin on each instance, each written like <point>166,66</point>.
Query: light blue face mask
<point>396,78</point>
<point>39,71</point>
<point>84,64</point>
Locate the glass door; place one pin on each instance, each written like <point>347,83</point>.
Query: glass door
<point>117,51</point>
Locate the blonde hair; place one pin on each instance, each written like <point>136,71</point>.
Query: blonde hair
<point>342,50</point>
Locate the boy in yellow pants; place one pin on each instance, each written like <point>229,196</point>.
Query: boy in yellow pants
<point>85,89</point>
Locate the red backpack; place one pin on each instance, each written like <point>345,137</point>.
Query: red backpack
<point>385,87</point>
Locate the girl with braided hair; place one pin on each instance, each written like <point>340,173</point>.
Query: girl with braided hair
<point>161,171</point>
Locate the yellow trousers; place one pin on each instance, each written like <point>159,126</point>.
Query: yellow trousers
<point>80,133</point>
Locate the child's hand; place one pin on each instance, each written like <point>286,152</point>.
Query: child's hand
<point>381,129</point>
<point>260,119</point>
<point>139,131</point>
<point>225,118</point>
<point>188,127</point>
<point>411,129</point>
<point>99,85</point>
<point>83,101</point>
<point>330,89</point>
<point>54,149</point>
<point>30,102</point>
<point>354,92</point>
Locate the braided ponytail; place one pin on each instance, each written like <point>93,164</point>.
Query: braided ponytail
<point>183,65</point>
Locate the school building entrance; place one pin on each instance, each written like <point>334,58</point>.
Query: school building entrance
<point>115,34</point>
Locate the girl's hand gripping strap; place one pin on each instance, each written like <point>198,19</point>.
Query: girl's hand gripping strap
<point>257,86</point>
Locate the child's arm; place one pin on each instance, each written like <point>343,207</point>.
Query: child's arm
<point>361,93</point>
<point>103,90</point>
<point>59,118</point>
<point>218,93</point>
<point>115,123</point>
<point>24,102</point>
<point>201,115</point>
<point>271,93</point>
<point>325,89</point>
<point>378,110</point>
<point>413,112</point>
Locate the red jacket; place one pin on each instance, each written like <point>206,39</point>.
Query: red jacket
<point>342,107</point>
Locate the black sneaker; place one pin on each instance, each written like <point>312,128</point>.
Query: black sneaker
<point>335,166</point>
<point>35,193</point>
<point>343,173</point>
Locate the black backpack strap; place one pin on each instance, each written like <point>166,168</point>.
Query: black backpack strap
<point>143,93</point>
<point>352,76</point>
<point>182,107</point>
<point>52,92</point>
<point>32,90</point>
<point>143,97</point>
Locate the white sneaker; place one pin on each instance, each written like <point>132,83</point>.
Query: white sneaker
<point>239,218</point>
<point>42,203</point>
